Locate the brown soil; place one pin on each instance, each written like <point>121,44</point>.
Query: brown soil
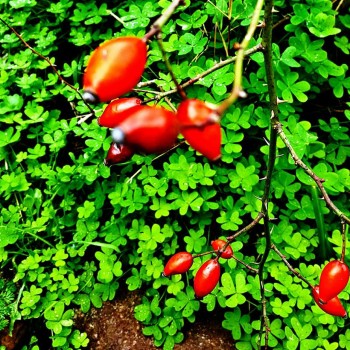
<point>114,328</point>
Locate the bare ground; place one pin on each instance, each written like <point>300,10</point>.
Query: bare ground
<point>114,328</point>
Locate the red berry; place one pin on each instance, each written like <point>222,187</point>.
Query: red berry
<point>193,112</point>
<point>114,69</point>
<point>178,263</point>
<point>206,278</point>
<point>110,116</point>
<point>200,128</point>
<point>334,278</point>
<point>219,244</point>
<point>206,140</point>
<point>147,129</point>
<point>332,307</point>
<point>118,154</point>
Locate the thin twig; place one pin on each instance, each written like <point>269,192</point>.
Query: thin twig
<point>295,272</point>
<point>155,158</point>
<point>237,90</point>
<point>343,235</point>
<point>245,264</point>
<point>319,181</point>
<point>267,44</point>
<point>179,89</point>
<point>65,82</point>
<point>246,228</point>
<point>200,76</point>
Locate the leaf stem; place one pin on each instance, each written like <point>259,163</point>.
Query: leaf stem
<point>344,229</point>
<point>321,230</point>
<point>237,90</point>
<point>179,88</point>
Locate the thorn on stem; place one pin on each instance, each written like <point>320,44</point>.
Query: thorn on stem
<point>280,101</point>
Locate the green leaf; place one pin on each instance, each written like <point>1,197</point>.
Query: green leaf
<point>9,136</point>
<point>322,25</point>
<point>288,57</point>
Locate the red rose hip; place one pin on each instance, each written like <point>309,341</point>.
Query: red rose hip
<point>207,277</point>
<point>147,129</point>
<point>333,306</point>
<point>178,263</point>
<point>219,244</point>
<point>110,117</point>
<point>114,69</point>
<point>200,127</point>
<point>334,278</point>
<point>118,154</point>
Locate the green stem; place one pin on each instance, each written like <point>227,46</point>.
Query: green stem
<point>237,90</point>
<point>179,89</point>
<point>344,234</point>
<point>321,229</point>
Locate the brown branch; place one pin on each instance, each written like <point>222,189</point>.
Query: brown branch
<point>246,265</point>
<point>295,272</point>
<point>319,181</point>
<point>158,24</point>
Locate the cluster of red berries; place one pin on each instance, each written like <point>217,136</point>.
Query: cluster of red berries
<point>208,275</point>
<point>334,278</point>
<point>113,70</point>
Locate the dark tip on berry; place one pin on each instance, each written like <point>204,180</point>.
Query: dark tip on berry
<point>118,135</point>
<point>89,97</point>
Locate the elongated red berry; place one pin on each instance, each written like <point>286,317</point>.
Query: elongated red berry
<point>118,154</point>
<point>147,129</point>
<point>178,263</point>
<point>206,278</point>
<point>333,306</point>
<point>200,127</point>
<point>334,278</point>
<point>114,69</point>
<point>219,244</point>
<point>110,117</point>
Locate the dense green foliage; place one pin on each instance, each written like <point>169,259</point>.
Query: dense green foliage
<point>73,231</point>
